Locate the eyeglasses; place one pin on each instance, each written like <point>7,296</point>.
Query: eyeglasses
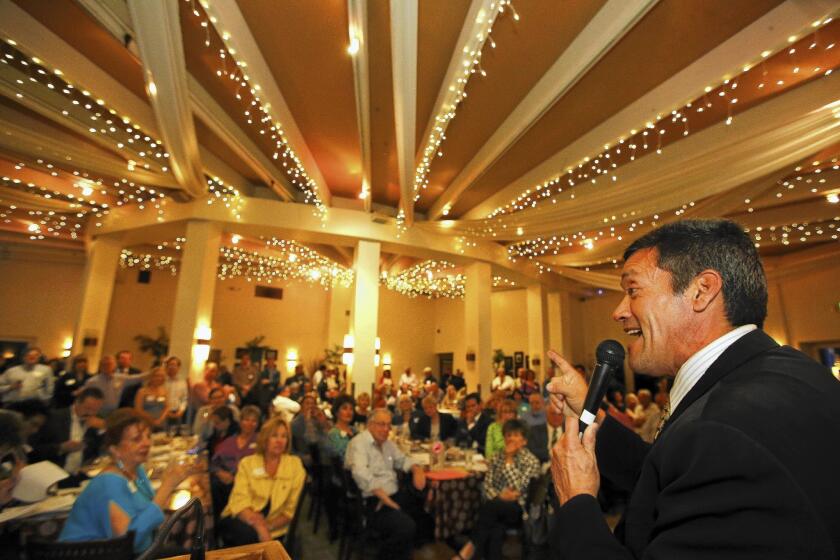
<point>10,460</point>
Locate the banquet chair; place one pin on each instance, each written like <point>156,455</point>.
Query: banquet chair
<point>290,539</point>
<point>119,548</point>
<point>317,480</point>
<point>160,542</point>
<point>356,533</point>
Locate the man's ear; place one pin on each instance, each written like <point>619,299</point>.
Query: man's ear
<point>705,289</point>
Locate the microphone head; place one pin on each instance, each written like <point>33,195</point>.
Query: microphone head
<point>610,352</point>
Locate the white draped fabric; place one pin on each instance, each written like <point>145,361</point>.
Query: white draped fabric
<point>762,140</point>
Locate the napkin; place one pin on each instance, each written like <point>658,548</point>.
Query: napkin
<point>35,480</point>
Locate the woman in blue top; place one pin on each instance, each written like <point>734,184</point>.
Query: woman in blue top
<point>121,497</point>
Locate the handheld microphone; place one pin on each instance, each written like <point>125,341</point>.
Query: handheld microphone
<point>609,356</point>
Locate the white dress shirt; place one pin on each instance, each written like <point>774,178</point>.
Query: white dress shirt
<point>73,460</point>
<point>695,367</point>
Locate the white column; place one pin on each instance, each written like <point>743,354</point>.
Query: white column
<point>193,314</point>
<point>537,311</point>
<point>477,327</point>
<point>365,314</point>
<point>559,333</point>
<point>103,259</point>
<point>338,324</point>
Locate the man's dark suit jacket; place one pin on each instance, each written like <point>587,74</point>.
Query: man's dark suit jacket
<point>538,441</point>
<point>422,427</point>
<point>746,467</point>
<point>55,431</point>
<point>477,435</point>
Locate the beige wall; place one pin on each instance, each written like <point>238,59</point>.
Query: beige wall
<point>40,302</point>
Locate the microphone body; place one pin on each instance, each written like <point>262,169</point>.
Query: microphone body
<point>609,356</point>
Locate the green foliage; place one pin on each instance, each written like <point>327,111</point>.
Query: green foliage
<point>333,356</point>
<point>157,347</point>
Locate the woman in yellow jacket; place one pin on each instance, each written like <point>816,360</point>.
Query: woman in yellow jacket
<point>265,491</point>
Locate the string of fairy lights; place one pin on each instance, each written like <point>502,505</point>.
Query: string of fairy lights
<point>810,177</point>
<point>257,113</point>
<point>799,56</point>
<point>434,279</point>
<point>227,195</point>
<point>81,109</point>
<point>456,90</point>
<point>282,260</point>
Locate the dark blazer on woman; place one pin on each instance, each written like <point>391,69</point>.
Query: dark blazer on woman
<point>746,467</point>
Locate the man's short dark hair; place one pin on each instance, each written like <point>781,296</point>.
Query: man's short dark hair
<point>223,413</point>
<point>90,393</point>
<point>688,247</point>
<point>473,396</point>
<point>11,430</point>
<point>29,407</point>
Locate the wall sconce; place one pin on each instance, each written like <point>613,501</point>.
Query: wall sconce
<point>378,346</point>
<point>386,360</point>
<point>291,359</point>
<point>470,356</point>
<point>201,350</point>
<point>67,347</point>
<point>347,355</point>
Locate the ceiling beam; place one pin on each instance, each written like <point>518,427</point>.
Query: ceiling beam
<point>608,26</point>
<point>158,34</point>
<point>726,59</point>
<point>211,114</point>
<point>22,134</point>
<point>230,24</point>
<point>358,35</point>
<point>404,21</point>
<point>37,40</point>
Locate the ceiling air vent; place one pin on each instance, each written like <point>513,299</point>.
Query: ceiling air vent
<point>268,292</point>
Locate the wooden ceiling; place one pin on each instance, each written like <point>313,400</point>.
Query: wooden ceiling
<point>304,45</point>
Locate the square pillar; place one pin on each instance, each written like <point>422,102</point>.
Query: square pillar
<point>365,314</point>
<point>103,259</point>
<point>477,326</point>
<point>537,313</point>
<point>559,323</point>
<point>193,313</point>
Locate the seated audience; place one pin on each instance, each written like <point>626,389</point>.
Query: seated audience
<point>408,379</point>
<point>330,387</point>
<point>434,425</point>
<point>200,390</point>
<point>473,427</point>
<point>150,400</point>
<point>502,383</point>
<point>386,380</point>
<point>12,456</point>
<point>535,415</point>
<point>542,437</point>
<point>29,380</point>
<point>646,416</point>
<point>505,491</point>
<point>33,414</point>
<point>229,453</point>
<point>270,375</point>
<point>265,491</point>
<point>528,384</point>
<point>495,438</point>
<point>343,411</point>
<point>308,430</point>
<point>244,375</point>
<point>362,409</point>
<point>70,382</point>
<point>112,384</point>
<point>224,426</point>
<point>405,417</point>
<point>201,425</point>
<point>121,498</point>
<point>452,399</point>
<point>70,436</point>
<point>457,379</point>
<point>374,461</point>
<point>429,376</point>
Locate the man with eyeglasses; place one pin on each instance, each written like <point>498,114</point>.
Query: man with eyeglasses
<point>395,513</point>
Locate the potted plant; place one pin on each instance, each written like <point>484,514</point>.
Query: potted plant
<point>158,347</point>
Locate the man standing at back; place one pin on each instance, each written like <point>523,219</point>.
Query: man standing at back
<point>746,464</point>
<point>30,380</point>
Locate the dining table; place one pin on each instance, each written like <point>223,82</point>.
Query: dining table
<point>45,520</point>
<point>454,478</point>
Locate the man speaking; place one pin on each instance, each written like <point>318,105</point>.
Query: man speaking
<point>746,465</point>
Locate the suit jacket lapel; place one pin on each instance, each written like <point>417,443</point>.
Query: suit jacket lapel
<point>742,350</point>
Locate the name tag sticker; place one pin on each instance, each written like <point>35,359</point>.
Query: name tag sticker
<point>132,487</point>
<point>259,471</point>
<point>253,445</point>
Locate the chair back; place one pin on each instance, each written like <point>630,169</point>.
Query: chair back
<point>120,548</point>
<point>290,540</point>
<point>197,552</point>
